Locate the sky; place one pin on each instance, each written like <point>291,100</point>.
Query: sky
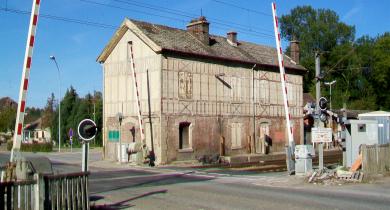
<point>76,31</point>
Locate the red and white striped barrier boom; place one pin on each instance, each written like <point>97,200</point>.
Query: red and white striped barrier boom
<point>25,78</point>
<point>283,76</point>
<point>141,127</point>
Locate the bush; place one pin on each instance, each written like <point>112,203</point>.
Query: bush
<point>33,147</point>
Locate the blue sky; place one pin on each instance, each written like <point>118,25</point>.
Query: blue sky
<point>76,46</point>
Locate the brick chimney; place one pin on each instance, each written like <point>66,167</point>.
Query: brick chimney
<point>294,50</point>
<point>232,38</point>
<point>200,29</point>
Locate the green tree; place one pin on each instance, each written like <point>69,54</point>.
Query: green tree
<point>7,119</point>
<point>318,29</point>
<point>380,70</point>
<point>48,112</point>
<point>353,86</point>
<point>68,104</point>
<point>98,100</point>
<point>73,110</point>
<point>32,114</point>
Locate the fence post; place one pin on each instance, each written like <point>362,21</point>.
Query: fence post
<point>39,192</point>
<point>364,158</point>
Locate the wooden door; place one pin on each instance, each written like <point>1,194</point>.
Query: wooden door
<point>264,132</point>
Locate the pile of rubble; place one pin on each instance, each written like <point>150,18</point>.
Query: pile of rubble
<point>335,176</point>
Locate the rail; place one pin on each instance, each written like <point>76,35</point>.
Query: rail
<point>18,195</point>
<point>66,191</point>
<point>62,191</point>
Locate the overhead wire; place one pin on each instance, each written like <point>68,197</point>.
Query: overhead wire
<point>64,19</point>
<point>109,26</point>
<point>184,14</point>
<point>339,61</point>
<point>242,8</point>
<point>221,25</point>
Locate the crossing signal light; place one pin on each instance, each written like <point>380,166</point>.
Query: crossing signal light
<point>87,129</point>
<point>323,103</point>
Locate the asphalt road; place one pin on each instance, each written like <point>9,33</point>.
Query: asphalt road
<point>122,187</point>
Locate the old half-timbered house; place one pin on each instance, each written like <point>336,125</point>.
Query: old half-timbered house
<point>200,88</point>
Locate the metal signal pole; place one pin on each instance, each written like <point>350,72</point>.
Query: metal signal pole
<point>318,96</point>
<point>59,102</point>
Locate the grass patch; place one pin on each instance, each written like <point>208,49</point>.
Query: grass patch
<point>32,147</point>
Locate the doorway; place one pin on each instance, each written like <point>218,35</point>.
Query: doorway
<point>263,136</point>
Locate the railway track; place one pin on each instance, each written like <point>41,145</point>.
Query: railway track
<point>273,165</point>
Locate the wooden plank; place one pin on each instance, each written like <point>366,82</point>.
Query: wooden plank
<point>81,184</point>
<point>9,197</point>
<point>87,191</point>
<point>58,194</point>
<point>78,184</point>
<point>68,197</point>
<point>356,165</point>
<point>2,196</point>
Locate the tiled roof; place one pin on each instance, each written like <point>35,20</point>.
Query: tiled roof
<point>178,40</point>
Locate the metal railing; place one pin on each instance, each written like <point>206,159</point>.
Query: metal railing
<point>18,195</point>
<point>66,191</point>
<point>62,191</point>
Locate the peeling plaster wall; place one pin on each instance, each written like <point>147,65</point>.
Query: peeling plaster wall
<point>192,93</point>
<point>120,96</point>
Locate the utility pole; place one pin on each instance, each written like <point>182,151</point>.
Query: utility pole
<point>120,117</point>
<point>318,96</point>
<point>53,58</point>
<point>152,156</point>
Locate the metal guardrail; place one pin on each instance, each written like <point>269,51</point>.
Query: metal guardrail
<point>62,191</point>
<point>17,195</point>
<point>66,191</point>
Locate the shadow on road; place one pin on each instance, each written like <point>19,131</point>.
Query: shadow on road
<point>97,186</point>
<point>121,204</point>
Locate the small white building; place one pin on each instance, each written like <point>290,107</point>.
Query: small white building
<point>34,132</point>
<point>383,119</point>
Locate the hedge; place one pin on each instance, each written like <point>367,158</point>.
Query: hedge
<point>33,147</point>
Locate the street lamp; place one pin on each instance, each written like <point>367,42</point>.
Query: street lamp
<point>330,92</point>
<point>59,102</point>
<point>120,119</point>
